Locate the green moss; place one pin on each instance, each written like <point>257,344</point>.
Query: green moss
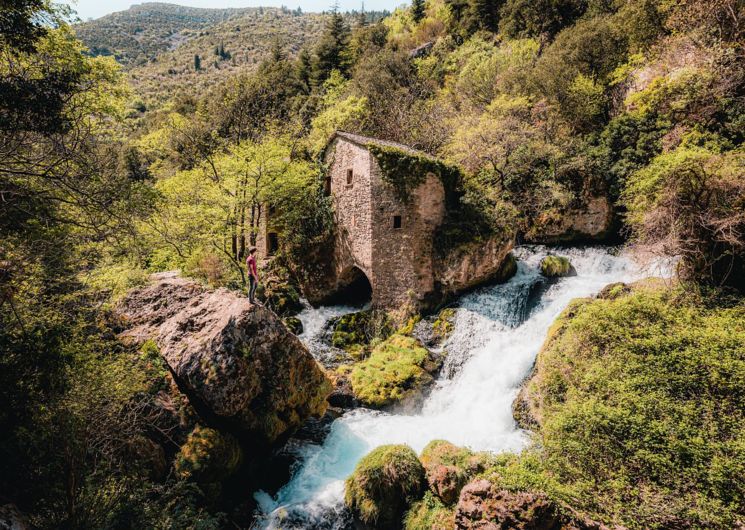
<point>556,267</point>
<point>429,514</point>
<point>383,485</point>
<point>395,369</point>
<point>353,331</point>
<point>208,456</point>
<point>294,325</point>
<point>405,171</point>
<point>641,401</point>
<point>443,326</point>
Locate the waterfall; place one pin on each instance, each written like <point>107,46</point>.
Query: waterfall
<point>498,330</point>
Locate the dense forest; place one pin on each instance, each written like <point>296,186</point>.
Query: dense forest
<point>110,171</point>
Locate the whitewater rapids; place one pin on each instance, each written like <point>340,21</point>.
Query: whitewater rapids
<point>498,330</point>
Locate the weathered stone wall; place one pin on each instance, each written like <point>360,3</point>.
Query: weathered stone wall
<point>402,257</point>
<point>352,207</point>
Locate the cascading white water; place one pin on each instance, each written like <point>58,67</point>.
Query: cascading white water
<point>497,333</point>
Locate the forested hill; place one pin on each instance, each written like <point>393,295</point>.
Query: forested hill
<point>143,31</point>
<point>165,46</point>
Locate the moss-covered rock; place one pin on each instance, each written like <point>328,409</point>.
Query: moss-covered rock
<point>448,468</point>
<point>293,324</point>
<point>429,514</point>
<point>398,370</point>
<point>443,325</point>
<point>556,267</point>
<point>355,330</point>
<point>208,456</point>
<point>383,486</point>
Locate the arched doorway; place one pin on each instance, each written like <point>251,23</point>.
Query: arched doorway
<point>354,288</point>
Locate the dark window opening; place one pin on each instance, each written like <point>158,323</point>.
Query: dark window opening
<point>272,244</point>
<point>396,221</point>
<point>350,175</point>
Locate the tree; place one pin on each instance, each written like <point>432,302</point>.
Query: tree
<point>197,62</point>
<point>418,10</point>
<point>331,51</point>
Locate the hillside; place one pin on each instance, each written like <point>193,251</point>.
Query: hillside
<point>158,43</point>
<point>143,31</point>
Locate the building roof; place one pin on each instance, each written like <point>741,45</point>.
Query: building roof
<point>364,141</point>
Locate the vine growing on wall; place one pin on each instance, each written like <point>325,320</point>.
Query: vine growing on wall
<point>406,171</point>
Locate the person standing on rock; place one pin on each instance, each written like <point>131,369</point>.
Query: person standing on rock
<point>253,276</point>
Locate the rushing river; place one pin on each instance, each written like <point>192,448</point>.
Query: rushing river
<point>497,333</point>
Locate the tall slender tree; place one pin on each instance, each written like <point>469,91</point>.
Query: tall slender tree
<point>418,10</point>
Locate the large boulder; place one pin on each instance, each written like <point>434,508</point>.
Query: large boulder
<point>557,267</point>
<point>472,264</point>
<point>448,468</point>
<point>591,220</point>
<point>238,364</point>
<point>484,506</point>
<point>383,486</point>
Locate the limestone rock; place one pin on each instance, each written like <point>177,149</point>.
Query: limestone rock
<point>485,506</point>
<point>448,468</point>
<point>383,486</point>
<point>481,505</point>
<point>470,265</point>
<point>591,221</point>
<point>237,363</point>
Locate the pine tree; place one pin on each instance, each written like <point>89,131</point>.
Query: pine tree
<point>197,62</point>
<point>418,10</point>
<point>486,13</point>
<point>304,69</point>
<point>331,52</point>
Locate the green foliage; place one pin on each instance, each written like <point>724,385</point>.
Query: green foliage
<point>526,18</point>
<point>383,484</point>
<point>394,370</point>
<point>429,513</point>
<point>443,325</point>
<point>405,171</point>
<point>687,202</point>
<point>641,406</point>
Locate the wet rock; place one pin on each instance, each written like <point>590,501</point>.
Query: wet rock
<point>448,468</point>
<point>557,267</point>
<point>11,518</point>
<point>523,409</point>
<point>294,325</point>
<point>383,486</point>
<point>238,364</point>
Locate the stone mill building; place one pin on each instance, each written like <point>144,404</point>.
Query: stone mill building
<point>386,225</point>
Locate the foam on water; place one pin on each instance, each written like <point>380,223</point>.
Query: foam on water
<point>497,333</point>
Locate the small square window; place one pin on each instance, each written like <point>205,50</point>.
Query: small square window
<point>350,175</point>
<point>396,221</point>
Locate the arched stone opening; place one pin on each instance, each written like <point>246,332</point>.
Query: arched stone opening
<point>354,288</point>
